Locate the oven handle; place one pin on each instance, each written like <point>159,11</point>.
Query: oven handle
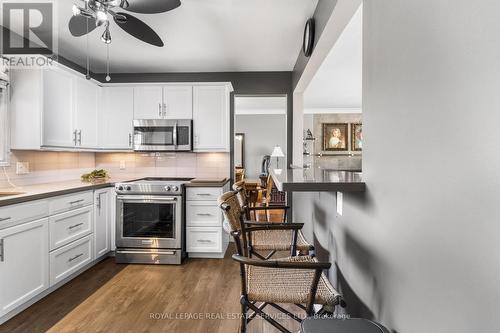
<point>145,198</point>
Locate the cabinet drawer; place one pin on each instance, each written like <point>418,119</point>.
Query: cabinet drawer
<point>203,214</point>
<point>24,212</point>
<point>68,202</point>
<point>204,239</point>
<point>204,193</point>
<point>67,227</point>
<point>69,259</point>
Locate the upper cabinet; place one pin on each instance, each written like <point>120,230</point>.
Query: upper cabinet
<point>163,102</point>
<point>53,108</point>
<point>116,118</point>
<point>178,102</point>
<point>148,102</point>
<point>57,109</point>
<point>211,118</point>
<point>86,100</point>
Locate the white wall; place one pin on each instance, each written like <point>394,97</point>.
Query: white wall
<point>419,251</point>
<point>262,134</point>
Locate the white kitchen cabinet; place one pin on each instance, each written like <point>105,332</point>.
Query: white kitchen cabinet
<point>24,263</point>
<point>205,237</point>
<point>70,258</point>
<point>67,227</point>
<point>211,118</point>
<point>116,117</point>
<point>148,102</point>
<point>102,222</point>
<point>178,102</point>
<point>58,128</point>
<point>87,94</point>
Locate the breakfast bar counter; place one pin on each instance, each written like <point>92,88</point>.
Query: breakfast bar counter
<point>318,180</point>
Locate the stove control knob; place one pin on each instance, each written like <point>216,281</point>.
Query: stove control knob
<point>129,188</point>
<point>120,188</point>
<point>175,188</point>
<point>167,188</point>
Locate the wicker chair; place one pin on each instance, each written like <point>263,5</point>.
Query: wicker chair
<point>294,280</point>
<point>270,240</point>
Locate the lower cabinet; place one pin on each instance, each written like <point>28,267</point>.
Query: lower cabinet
<point>24,263</point>
<point>67,227</point>
<point>205,237</point>
<point>102,222</point>
<point>70,258</point>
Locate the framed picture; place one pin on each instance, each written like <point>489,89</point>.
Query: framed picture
<point>335,137</point>
<point>357,137</point>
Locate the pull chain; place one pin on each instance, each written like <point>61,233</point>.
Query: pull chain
<point>108,78</point>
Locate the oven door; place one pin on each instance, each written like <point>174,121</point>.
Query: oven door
<point>153,222</point>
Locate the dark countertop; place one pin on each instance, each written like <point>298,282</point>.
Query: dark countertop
<point>318,180</point>
<point>44,191</point>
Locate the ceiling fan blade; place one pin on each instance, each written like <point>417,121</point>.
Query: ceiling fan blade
<point>78,25</point>
<point>149,6</point>
<point>138,29</point>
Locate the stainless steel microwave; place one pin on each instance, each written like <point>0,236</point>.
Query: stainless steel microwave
<point>163,135</point>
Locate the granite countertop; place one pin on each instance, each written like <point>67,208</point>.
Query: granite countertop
<point>43,191</point>
<point>318,180</point>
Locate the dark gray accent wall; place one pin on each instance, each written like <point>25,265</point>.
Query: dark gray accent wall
<point>321,16</point>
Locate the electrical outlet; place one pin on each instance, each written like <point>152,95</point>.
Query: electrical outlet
<point>22,168</point>
<point>122,165</point>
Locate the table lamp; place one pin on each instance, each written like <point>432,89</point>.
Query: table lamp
<point>277,152</point>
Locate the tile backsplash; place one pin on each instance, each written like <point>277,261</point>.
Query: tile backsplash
<point>46,167</point>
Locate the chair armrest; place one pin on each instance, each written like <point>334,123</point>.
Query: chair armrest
<point>270,207</point>
<point>274,226</point>
<point>282,264</point>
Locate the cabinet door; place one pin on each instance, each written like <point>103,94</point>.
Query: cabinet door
<point>24,263</point>
<point>211,118</point>
<point>102,223</point>
<point>58,129</point>
<point>178,102</point>
<point>116,118</point>
<point>86,95</point>
<point>148,102</point>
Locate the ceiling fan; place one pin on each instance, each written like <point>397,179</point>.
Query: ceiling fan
<point>96,13</point>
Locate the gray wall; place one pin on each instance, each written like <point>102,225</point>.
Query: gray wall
<point>420,250</point>
<point>262,134</point>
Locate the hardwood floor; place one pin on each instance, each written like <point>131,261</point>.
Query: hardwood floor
<point>144,298</point>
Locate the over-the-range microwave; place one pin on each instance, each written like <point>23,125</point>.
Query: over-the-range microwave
<point>160,135</point>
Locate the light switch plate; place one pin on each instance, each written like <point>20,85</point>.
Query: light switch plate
<point>340,203</point>
<point>22,168</point>
<point>122,165</point>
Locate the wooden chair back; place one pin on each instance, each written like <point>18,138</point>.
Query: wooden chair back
<point>233,219</point>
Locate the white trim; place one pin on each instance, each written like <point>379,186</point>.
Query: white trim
<point>331,110</point>
<point>194,84</point>
<point>239,112</point>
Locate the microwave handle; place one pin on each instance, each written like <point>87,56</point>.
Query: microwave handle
<point>175,134</point>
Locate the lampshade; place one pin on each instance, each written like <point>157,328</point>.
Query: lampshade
<point>277,152</point>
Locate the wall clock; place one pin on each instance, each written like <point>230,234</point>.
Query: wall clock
<point>308,43</point>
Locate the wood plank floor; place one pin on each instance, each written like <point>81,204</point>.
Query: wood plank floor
<point>133,298</point>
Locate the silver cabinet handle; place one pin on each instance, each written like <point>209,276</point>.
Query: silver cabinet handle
<point>203,241</point>
<point>75,257</point>
<point>164,109</point>
<point>130,140</point>
<point>74,136</point>
<point>98,203</point>
<point>2,254</point>
<point>80,137</point>
<point>75,226</point>
<point>5,219</point>
<point>159,110</point>
<point>76,201</point>
<point>203,194</point>
<point>204,214</point>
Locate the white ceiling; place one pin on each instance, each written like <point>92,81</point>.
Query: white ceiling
<point>201,36</point>
<point>338,82</point>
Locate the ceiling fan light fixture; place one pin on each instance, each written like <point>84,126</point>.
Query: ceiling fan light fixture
<point>106,36</point>
<point>101,17</point>
<point>76,10</point>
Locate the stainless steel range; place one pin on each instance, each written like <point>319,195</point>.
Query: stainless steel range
<point>150,221</point>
